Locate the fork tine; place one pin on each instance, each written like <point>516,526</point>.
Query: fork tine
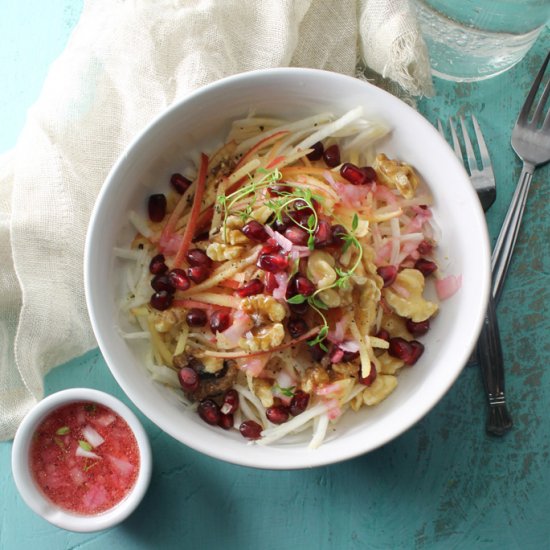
<point>440,128</point>
<point>542,102</point>
<point>456,143</point>
<point>483,151</point>
<point>522,118</point>
<point>470,155</point>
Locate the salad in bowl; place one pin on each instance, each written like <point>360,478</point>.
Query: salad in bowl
<point>282,283</point>
<point>287,268</point>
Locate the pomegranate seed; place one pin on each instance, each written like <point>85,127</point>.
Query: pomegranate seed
<point>370,174</point>
<point>317,153</point>
<point>417,351</point>
<point>161,300</point>
<point>178,279</point>
<point>282,224</point>
<point>418,329</point>
<point>408,352</point>
<point>209,411</point>
<point>426,267</point>
<point>400,348</point>
<point>299,309</point>
<point>317,352</point>
<point>332,156</point>
<point>198,273</point>
<point>301,214</point>
<point>297,235</point>
<point>296,327</point>
<point>196,317</point>
<point>277,414</point>
<point>202,235</point>
<point>272,262</point>
<point>388,274</point>
<point>370,378</point>
<point>180,183</point>
<point>303,285</point>
<point>338,355</point>
<point>230,402</point>
<point>291,287</point>
<point>425,248</point>
<point>162,282</point>
<point>250,429</point>
<point>220,320</point>
<point>226,421</point>
<point>255,286</point>
<point>270,247</point>
<point>323,234</point>
<point>196,256</point>
<point>299,402</point>
<point>338,232</point>
<point>383,334</point>
<point>157,265</point>
<point>189,379</point>
<point>353,174</point>
<point>157,207</point>
<point>270,282</point>
<point>255,231</point>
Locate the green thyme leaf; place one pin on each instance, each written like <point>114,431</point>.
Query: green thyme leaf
<point>318,303</point>
<point>287,392</point>
<point>355,222</point>
<point>298,299</point>
<point>311,221</point>
<point>63,430</point>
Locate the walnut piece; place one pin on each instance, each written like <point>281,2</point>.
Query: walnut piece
<point>264,338</point>
<point>346,370</point>
<point>220,252</point>
<point>165,321</point>
<point>320,268</point>
<point>263,308</point>
<point>313,378</point>
<point>236,237</point>
<point>262,389</point>
<point>382,386</point>
<point>396,174</point>
<point>414,306</point>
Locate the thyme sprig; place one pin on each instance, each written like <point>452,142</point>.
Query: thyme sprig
<point>342,280</point>
<point>250,191</point>
<point>297,198</point>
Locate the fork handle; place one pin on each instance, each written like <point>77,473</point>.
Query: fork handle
<point>491,364</point>
<point>502,253</point>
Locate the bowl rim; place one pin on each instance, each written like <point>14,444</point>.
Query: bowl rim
<point>307,459</point>
<point>31,493</point>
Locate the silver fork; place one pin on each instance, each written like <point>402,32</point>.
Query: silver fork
<point>483,180</point>
<point>531,142</point>
<point>490,359</point>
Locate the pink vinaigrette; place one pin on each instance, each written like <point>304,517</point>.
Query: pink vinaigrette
<point>85,458</point>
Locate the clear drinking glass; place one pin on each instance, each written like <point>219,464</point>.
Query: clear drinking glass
<point>472,40</point>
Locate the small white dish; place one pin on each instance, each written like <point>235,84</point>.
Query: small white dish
<point>33,495</point>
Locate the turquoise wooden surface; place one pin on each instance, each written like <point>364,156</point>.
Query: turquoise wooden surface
<point>443,484</point>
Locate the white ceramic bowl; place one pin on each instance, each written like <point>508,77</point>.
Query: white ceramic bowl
<point>31,493</point>
<point>200,122</point>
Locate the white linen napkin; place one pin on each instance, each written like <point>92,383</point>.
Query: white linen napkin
<point>125,62</point>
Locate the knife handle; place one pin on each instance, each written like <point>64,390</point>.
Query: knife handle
<point>490,360</point>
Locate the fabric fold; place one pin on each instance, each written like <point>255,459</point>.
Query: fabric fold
<point>126,61</point>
